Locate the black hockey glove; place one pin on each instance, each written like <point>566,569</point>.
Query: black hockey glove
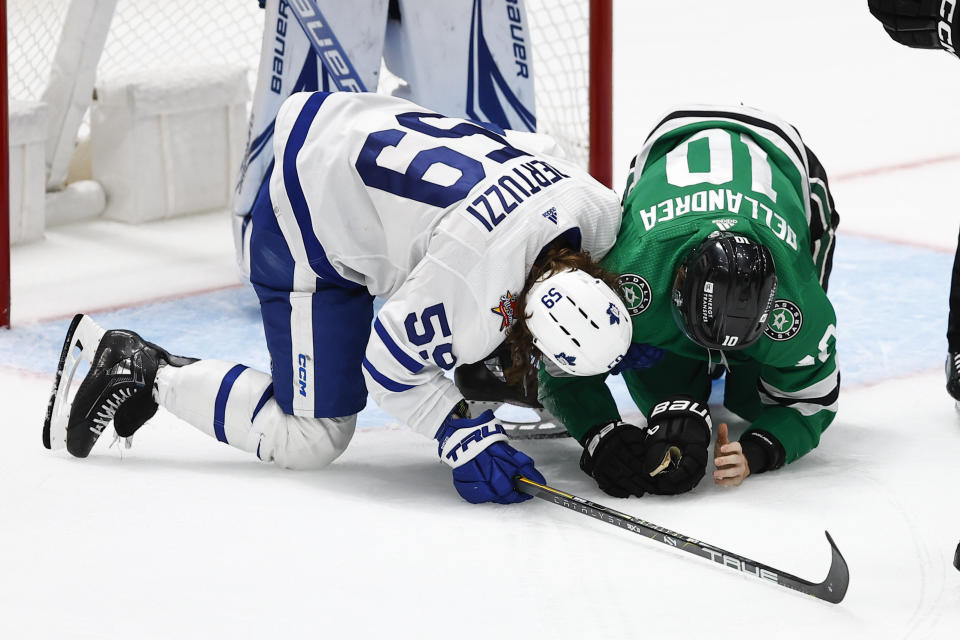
<point>667,457</point>
<point>613,456</point>
<point>922,24</point>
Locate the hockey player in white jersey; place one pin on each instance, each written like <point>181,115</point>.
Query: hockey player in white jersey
<point>450,222</point>
<point>466,58</point>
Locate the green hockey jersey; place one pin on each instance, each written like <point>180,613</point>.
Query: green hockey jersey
<point>704,170</point>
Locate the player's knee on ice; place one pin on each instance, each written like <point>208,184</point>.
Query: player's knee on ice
<point>295,442</point>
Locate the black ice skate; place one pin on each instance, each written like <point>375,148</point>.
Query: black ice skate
<point>118,388</point>
<point>953,376</point>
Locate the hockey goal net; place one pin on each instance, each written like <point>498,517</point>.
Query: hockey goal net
<point>572,66</point>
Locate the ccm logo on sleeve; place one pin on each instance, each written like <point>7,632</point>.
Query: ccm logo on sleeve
<point>302,374</point>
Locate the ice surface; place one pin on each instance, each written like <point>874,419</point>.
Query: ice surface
<point>184,537</point>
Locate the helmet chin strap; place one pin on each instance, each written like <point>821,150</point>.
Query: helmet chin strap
<point>723,359</point>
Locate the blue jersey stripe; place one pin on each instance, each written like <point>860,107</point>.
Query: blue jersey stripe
<point>220,405</point>
<point>316,255</point>
<point>409,363</point>
<point>384,381</point>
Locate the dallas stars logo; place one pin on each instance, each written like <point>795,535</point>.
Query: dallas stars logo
<point>635,292</point>
<point>784,321</point>
<point>507,310</point>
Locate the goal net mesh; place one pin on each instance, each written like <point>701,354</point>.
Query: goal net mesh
<point>147,34</point>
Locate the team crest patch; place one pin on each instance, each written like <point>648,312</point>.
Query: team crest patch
<point>784,321</point>
<point>635,292</point>
<point>507,310</point>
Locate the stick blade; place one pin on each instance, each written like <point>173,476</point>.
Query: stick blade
<point>834,587</point>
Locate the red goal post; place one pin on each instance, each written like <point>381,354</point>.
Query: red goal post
<point>572,44</point>
<point>601,90</point>
<point>4,177</point>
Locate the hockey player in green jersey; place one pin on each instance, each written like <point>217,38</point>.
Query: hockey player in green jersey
<point>723,259</point>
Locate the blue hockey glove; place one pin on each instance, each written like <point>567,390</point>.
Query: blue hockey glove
<point>484,465</point>
<point>639,356</point>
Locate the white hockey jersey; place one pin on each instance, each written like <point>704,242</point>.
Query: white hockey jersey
<point>438,215</point>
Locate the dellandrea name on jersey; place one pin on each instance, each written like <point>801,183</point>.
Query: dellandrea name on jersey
<point>719,200</point>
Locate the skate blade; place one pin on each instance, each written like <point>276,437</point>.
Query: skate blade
<point>544,425</point>
<point>80,345</point>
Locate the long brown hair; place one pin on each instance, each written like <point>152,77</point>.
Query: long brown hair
<point>555,259</point>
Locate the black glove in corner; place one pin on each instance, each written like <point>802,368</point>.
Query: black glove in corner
<point>921,24</point>
<point>613,456</point>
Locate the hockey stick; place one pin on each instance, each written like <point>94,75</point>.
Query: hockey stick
<point>832,589</point>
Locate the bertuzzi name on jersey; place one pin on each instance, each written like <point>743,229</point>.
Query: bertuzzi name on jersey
<point>511,189</point>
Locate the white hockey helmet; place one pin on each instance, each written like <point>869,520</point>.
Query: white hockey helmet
<point>578,322</point>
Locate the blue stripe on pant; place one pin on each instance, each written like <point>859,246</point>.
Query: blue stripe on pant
<point>220,404</point>
<point>340,314</point>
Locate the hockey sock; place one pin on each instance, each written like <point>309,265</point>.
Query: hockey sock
<point>219,398</point>
<point>235,405</point>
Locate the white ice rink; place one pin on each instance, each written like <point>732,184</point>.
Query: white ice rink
<point>182,537</point>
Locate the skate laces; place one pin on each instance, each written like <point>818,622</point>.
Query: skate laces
<point>109,407</point>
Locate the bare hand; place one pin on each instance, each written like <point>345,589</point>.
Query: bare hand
<point>732,467</point>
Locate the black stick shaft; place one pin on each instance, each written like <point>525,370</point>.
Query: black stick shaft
<point>832,589</point>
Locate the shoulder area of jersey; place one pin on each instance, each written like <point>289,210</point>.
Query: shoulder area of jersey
<point>578,322</point>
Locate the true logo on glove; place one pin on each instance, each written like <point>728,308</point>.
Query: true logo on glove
<point>474,436</point>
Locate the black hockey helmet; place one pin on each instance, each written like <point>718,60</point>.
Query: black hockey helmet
<point>724,290</point>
